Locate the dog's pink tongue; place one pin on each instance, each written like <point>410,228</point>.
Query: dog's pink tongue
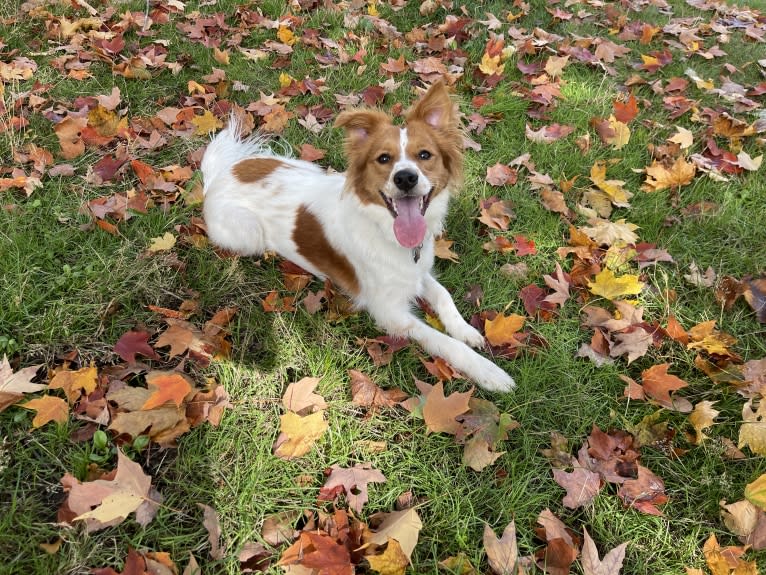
<point>409,224</point>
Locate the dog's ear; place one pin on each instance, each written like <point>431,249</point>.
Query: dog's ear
<point>435,108</point>
<point>359,124</point>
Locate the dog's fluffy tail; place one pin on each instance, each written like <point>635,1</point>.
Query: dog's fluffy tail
<point>229,147</point>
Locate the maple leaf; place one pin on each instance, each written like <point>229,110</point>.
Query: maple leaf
<point>300,397</point>
<point>644,493</point>
<point>752,433</point>
<point>611,287</point>
<point>392,561</point>
<point>612,188</point>
<point>626,111</point>
<point>298,434</point>
<point>658,384</point>
<point>609,233</point>
<point>168,386</point>
<point>755,492</point>
<point>13,386</point>
<point>353,481</point>
<point>207,123</point>
<point>108,501</point>
<point>658,177</point>
<point>635,343</point>
<point>75,382</point>
<point>48,408</point>
<point>162,243</point>
<point>132,343</point>
<point>403,526</point>
<point>501,552</point>
<point>319,551</point>
<point>496,214</point>
<point>212,525</point>
<point>582,486</point>
<point>501,329</point>
<point>702,417</point>
<point>611,564</point>
<point>439,412</point>
<point>478,453</point>
<point>366,393</point>
<point>559,284</point>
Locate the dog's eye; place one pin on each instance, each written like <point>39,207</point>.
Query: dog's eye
<point>384,159</point>
<point>424,155</point>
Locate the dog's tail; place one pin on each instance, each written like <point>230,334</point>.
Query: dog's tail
<point>229,147</point>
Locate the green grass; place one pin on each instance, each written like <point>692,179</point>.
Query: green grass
<point>66,286</point>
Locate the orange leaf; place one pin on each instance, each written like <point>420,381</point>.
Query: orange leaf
<point>501,330</point>
<point>169,386</point>
<point>48,408</point>
<point>439,412</point>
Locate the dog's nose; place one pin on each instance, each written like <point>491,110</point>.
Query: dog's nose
<point>405,180</point>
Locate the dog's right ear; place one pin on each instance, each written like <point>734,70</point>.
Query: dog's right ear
<point>359,124</point>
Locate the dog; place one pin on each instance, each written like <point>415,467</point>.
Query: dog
<point>369,230</point>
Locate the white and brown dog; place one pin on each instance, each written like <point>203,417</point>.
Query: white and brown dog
<point>370,230</point>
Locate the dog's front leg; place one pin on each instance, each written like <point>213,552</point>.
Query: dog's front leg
<point>475,367</point>
<point>442,303</point>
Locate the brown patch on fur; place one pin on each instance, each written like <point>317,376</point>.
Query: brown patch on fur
<point>313,245</point>
<point>255,169</point>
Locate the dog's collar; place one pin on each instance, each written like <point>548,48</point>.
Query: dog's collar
<point>416,253</point>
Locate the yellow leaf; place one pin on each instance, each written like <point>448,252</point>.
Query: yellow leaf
<point>613,188</point>
<point>285,80</point>
<point>501,330</point>
<point>115,506</point>
<point>206,123</point>
<point>392,562</point>
<point>286,35</point>
<point>48,408</point>
<point>491,65</point>
<point>221,56</point>
<point>621,133</point>
<point>611,287</point>
<point>75,382</point>
<point>658,177</point>
<point>683,137</point>
<point>404,526</point>
<point>753,431</point>
<point>299,434</point>
<point>755,492</point>
<point>162,243</point>
<point>702,417</point>
<point>443,249</point>
<point>372,8</point>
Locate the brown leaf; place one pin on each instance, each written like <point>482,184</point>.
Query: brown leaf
<point>439,412</point>
<point>644,493</point>
<point>300,397</point>
<point>611,564</point>
<point>581,485</point>
<point>404,526</point>
<point>478,453</point>
<point>213,527</point>
<point>353,481</point>
<point>366,393</point>
<point>108,501</point>
<point>13,386</point>
<point>503,552</point>
<point>319,551</point>
<point>496,214</point>
<point>75,382</point>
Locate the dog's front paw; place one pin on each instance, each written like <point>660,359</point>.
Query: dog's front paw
<point>469,335</point>
<point>492,378</point>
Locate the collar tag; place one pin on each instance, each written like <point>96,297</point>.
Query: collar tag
<point>416,253</point>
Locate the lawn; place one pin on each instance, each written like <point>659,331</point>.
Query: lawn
<point>619,141</point>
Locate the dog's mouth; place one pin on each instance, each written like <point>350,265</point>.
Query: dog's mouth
<point>409,217</point>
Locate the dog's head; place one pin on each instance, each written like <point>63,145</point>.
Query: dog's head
<point>404,168</point>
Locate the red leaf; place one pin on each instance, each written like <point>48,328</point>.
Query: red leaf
<point>132,343</point>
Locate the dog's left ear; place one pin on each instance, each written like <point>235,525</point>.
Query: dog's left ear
<point>435,108</point>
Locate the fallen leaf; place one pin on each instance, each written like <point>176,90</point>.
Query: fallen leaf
<point>132,343</point>
<point>166,386</point>
<point>612,287</point>
<point>755,492</point>
<point>48,408</point>
<point>298,434</point>
<point>213,527</point>
<point>353,481</point>
<point>162,243</point>
<point>300,397</point>
<point>392,561</point>
<point>501,552</point>
<point>658,384</point>
<point>366,393</point>
<point>403,526</point>
<point>501,329</point>
<point>611,564</point>
<point>658,177</point>
<point>318,551</point>
<point>439,412</point>
<point>702,417</point>
<point>581,486</point>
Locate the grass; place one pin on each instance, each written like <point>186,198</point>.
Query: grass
<point>67,286</point>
